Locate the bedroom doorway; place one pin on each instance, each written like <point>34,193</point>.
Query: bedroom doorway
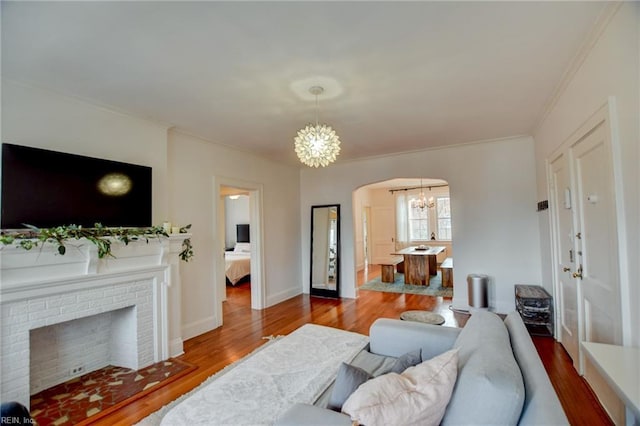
<point>237,240</point>
<point>239,244</point>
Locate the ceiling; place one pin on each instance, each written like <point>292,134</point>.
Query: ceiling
<point>399,76</point>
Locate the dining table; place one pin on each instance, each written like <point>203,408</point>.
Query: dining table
<point>420,263</point>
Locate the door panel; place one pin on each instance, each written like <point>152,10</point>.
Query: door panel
<point>382,233</point>
<point>591,230</point>
<point>367,234</point>
<point>597,244</point>
<point>565,264</point>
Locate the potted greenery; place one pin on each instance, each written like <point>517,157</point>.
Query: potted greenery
<point>99,235</point>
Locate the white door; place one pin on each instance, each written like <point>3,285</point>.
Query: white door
<point>591,231</point>
<point>366,239</point>
<point>382,233</point>
<point>585,236</point>
<point>596,237</point>
<point>562,223</point>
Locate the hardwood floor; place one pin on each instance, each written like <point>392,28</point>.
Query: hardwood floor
<point>244,329</point>
<point>578,400</point>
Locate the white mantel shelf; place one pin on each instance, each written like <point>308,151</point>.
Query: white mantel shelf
<point>42,270</point>
<point>40,287</point>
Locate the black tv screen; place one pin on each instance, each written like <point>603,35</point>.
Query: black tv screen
<point>49,188</point>
<point>242,233</point>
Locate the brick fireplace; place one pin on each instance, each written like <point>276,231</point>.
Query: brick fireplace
<point>63,316</point>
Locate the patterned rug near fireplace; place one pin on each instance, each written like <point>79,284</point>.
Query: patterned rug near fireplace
<point>433,289</point>
<point>100,392</point>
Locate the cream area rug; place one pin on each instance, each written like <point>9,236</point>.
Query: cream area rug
<point>259,388</point>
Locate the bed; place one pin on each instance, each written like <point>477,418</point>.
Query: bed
<point>238,263</point>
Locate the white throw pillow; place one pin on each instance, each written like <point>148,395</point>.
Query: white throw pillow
<point>418,396</point>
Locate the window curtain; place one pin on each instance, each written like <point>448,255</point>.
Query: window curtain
<point>402,220</point>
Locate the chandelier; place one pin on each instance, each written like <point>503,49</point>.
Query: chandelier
<point>317,145</point>
<point>422,202</point>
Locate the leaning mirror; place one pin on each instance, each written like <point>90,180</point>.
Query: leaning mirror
<point>325,250</point>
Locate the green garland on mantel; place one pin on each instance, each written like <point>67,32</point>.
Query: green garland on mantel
<point>99,235</point>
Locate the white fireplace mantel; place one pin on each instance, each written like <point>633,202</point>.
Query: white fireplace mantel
<point>40,287</point>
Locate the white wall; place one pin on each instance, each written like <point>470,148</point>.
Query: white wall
<point>43,119</point>
<point>235,212</point>
<point>493,203</point>
<point>196,166</point>
<point>611,69</point>
<point>184,170</point>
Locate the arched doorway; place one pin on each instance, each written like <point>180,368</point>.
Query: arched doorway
<point>395,214</point>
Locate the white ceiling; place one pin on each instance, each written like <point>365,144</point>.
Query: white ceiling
<point>400,76</point>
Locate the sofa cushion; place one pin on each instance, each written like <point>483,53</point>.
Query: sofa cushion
<point>305,414</point>
<point>347,381</point>
<point>541,404</point>
<point>407,360</point>
<point>489,389</point>
<point>418,396</point>
<point>373,364</point>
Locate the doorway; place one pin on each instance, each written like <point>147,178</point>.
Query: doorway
<point>248,215</point>
<point>585,239</point>
<point>400,213</point>
<point>237,242</point>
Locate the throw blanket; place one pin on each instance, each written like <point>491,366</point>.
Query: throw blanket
<point>296,368</point>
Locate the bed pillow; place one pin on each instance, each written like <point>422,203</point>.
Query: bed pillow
<point>347,381</point>
<point>417,396</point>
<point>242,248</point>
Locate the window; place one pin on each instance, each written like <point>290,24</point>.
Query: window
<point>443,214</point>
<point>418,223</point>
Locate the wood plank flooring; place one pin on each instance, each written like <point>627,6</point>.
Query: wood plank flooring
<point>244,329</point>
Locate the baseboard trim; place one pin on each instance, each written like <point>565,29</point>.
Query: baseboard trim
<point>499,306</point>
<point>176,347</point>
<point>274,299</point>
<point>197,328</point>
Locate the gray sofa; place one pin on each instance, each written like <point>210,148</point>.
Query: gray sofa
<point>501,379</point>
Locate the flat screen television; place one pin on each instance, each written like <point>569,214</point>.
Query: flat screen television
<point>49,188</point>
<point>242,233</point>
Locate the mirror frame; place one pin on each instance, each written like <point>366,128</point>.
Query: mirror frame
<point>323,291</point>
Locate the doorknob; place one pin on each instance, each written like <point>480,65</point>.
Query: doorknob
<point>578,273</point>
<point>565,269</point>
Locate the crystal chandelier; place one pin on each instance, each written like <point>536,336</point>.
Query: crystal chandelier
<point>317,145</point>
<point>421,202</point>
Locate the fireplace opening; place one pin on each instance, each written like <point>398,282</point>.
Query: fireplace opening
<point>70,349</point>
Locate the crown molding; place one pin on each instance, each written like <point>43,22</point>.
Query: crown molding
<point>578,60</point>
<point>91,102</point>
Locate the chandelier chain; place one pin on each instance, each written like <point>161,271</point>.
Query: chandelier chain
<point>317,109</point>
